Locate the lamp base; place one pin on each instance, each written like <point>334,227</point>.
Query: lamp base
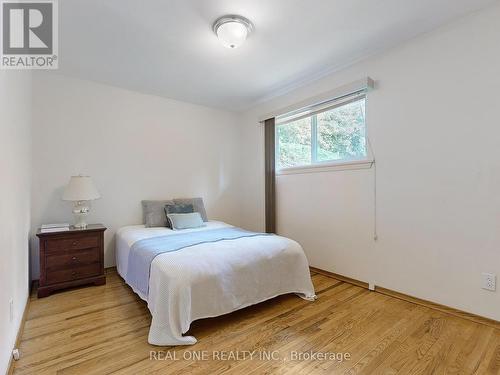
<point>81,225</point>
<point>80,212</point>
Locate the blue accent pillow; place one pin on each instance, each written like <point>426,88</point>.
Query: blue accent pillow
<point>185,221</point>
<point>177,208</point>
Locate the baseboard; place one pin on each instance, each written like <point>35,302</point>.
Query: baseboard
<point>110,269</point>
<point>418,301</point>
<point>340,277</point>
<point>10,367</point>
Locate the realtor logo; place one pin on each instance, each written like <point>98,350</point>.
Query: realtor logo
<point>29,34</point>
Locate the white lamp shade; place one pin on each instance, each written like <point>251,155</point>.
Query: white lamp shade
<point>232,34</point>
<point>80,188</point>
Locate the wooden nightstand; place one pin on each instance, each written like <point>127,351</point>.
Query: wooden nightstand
<point>71,258</point>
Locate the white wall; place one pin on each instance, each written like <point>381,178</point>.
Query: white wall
<point>15,172</point>
<point>135,147</point>
<point>434,124</point>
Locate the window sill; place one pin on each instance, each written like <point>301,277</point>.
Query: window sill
<point>327,167</point>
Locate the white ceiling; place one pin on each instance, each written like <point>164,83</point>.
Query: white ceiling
<point>167,48</point>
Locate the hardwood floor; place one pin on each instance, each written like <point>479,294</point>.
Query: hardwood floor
<point>103,330</point>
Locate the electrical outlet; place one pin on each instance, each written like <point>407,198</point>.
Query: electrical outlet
<point>11,310</point>
<point>489,281</point>
<point>16,354</point>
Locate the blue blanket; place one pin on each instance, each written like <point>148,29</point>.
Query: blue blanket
<point>143,252</point>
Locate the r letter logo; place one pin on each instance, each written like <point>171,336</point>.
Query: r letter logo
<point>29,34</point>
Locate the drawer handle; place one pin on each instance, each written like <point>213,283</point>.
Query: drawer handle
<point>75,243</point>
<point>74,259</point>
<point>73,273</point>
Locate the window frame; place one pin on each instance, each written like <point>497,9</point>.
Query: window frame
<point>323,166</point>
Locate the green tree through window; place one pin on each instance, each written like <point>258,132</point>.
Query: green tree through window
<point>334,135</point>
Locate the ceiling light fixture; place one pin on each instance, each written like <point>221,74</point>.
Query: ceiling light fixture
<point>232,30</point>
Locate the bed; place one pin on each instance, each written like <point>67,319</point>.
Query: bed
<point>209,279</point>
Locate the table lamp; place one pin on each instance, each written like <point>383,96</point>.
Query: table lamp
<point>81,190</point>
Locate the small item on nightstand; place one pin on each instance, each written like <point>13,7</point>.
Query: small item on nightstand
<point>71,258</point>
<point>52,228</point>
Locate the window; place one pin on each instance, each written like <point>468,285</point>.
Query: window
<point>327,133</point>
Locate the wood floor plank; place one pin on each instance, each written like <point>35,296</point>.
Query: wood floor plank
<point>364,337</point>
<point>104,329</point>
<point>339,322</point>
<point>275,326</point>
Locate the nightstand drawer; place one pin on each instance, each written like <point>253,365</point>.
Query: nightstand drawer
<point>73,273</point>
<point>73,258</point>
<point>74,243</point>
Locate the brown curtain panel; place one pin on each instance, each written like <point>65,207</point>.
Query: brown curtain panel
<point>270,170</point>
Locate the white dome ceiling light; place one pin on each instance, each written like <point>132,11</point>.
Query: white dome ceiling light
<point>232,30</point>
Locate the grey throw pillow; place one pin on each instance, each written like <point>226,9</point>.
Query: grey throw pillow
<point>153,213</point>
<point>197,205</point>
<point>178,208</point>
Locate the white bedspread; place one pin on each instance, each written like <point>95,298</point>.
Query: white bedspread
<point>213,279</point>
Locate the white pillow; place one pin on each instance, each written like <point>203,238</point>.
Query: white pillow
<point>186,221</point>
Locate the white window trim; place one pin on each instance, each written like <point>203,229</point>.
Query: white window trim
<point>367,84</point>
<point>329,165</point>
<point>343,165</point>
